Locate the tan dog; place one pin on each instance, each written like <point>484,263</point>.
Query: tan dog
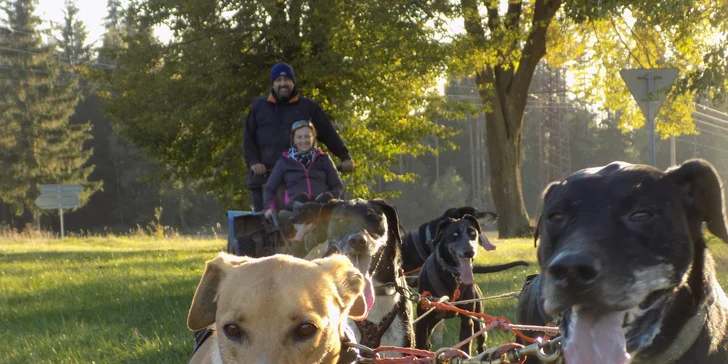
<point>278,309</point>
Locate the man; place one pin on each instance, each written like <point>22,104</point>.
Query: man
<point>268,126</point>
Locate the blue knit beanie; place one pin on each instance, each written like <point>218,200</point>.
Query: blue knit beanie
<point>282,69</point>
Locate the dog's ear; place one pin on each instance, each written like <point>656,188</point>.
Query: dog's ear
<point>474,221</point>
<point>349,284</point>
<point>440,229</point>
<point>314,212</point>
<point>700,183</point>
<point>544,197</point>
<point>204,304</point>
<point>452,213</point>
<point>488,217</point>
<point>390,212</point>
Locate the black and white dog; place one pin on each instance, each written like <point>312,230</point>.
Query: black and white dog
<point>624,262</point>
<point>368,233</point>
<point>449,272</point>
<point>418,245</point>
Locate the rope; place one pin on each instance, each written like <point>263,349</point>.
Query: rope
<point>498,321</point>
<point>504,295</point>
<point>480,332</point>
<point>414,270</point>
<point>416,355</point>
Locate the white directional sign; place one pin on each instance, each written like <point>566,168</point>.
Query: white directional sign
<point>63,201</point>
<point>58,189</point>
<point>59,197</point>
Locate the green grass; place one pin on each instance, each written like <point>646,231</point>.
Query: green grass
<point>99,300</point>
<point>125,300</point>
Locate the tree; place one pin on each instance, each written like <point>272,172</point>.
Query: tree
<point>73,36</point>
<point>184,102</point>
<point>38,144</point>
<point>506,42</point>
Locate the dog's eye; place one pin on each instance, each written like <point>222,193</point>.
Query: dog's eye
<point>456,234</point>
<point>640,216</point>
<point>557,218</point>
<point>233,331</point>
<point>305,330</point>
<point>472,233</point>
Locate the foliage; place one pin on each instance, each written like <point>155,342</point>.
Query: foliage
<point>505,40</point>
<point>647,35</point>
<point>73,36</point>
<point>184,102</point>
<point>39,95</point>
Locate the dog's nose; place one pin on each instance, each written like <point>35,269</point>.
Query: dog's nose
<point>574,270</point>
<point>357,241</point>
<point>468,254</point>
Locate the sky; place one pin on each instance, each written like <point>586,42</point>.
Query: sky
<point>91,13</point>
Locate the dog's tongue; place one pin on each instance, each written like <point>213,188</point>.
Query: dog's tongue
<point>466,270</point>
<point>596,338</point>
<point>487,245</point>
<point>368,293</point>
<point>362,263</point>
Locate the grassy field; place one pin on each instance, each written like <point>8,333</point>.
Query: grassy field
<point>125,300</point>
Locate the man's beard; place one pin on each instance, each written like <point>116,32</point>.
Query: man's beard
<point>283,94</point>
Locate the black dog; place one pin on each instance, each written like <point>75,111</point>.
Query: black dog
<point>418,245</point>
<point>530,310</point>
<point>368,233</point>
<point>449,270</point>
<point>624,262</point>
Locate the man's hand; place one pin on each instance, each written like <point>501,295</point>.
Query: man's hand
<point>258,169</point>
<point>268,213</point>
<point>346,166</point>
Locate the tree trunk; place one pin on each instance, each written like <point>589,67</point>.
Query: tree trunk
<point>504,87</point>
<point>504,153</point>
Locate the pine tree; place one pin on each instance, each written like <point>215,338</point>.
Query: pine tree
<point>39,146</point>
<point>73,36</point>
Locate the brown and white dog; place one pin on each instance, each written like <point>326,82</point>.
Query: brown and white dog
<point>368,233</point>
<point>276,310</point>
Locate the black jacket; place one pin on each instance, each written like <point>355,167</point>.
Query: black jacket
<point>268,129</point>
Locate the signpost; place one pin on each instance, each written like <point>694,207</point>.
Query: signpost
<point>650,86</point>
<point>59,197</point>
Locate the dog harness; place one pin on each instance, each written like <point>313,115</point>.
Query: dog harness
<point>431,266</point>
<point>420,244</point>
<point>371,334</point>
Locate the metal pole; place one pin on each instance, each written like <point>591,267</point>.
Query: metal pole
<point>651,118</point>
<point>62,232</point>
<point>437,157</point>
<point>673,159</point>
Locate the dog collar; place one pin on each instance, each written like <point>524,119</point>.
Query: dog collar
<point>682,343</point>
<point>448,267</point>
<point>201,336</point>
<point>685,338</point>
